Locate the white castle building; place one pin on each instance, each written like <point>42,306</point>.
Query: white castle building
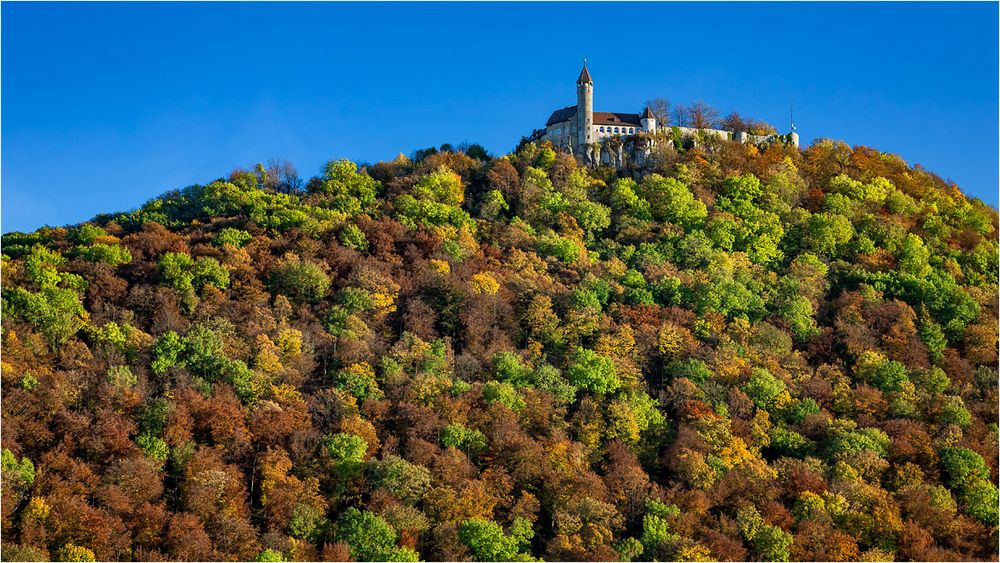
<point>581,130</point>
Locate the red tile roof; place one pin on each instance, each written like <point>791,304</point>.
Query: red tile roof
<point>584,76</point>
<point>600,117</point>
<point>615,118</point>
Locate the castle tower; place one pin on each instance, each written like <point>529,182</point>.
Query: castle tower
<point>648,121</point>
<point>793,133</point>
<point>584,109</point>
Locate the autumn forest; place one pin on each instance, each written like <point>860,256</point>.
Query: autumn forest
<point>731,352</point>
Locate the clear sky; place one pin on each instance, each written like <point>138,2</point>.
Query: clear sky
<point>107,105</point>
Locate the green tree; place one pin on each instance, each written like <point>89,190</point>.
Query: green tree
<point>167,351</point>
<point>56,312</point>
<point>565,249</point>
<point>798,312</point>
<point>435,199</point>
<point>237,238</point>
<point>408,481</point>
<point>963,467</point>
<point>981,500</point>
<point>887,375</point>
<point>504,393</point>
<point>16,476</point>
<point>73,552</point>
<point>353,237</point>
<point>849,442</point>
<point>670,200</point>
<point>825,233</point>
<point>370,537</point>
<point>593,372</point>
<point>625,200</point>
<point>914,256</point>
<point>771,543</point>
<point>301,281</point>
<point>111,254</point>
<point>347,452</point>
<point>177,270</point>
<point>488,542</point>
<point>346,189</point>
<point>763,388</point>
<point>270,555</point>
<point>455,435</point>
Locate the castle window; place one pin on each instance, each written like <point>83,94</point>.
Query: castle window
<point>616,129</point>
<point>631,130</point>
<point>601,129</point>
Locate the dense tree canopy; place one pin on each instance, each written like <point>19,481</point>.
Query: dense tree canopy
<point>732,352</point>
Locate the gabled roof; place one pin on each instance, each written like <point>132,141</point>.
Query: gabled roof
<point>561,115</point>
<point>615,118</point>
<point>584,76</point>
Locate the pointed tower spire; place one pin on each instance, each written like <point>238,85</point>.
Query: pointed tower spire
<point>584,75</point>
<point>647,114</point>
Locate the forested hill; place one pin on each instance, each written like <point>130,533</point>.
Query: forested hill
<point>736,353</point>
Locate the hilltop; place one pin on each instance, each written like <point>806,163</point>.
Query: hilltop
<point>731,352</point>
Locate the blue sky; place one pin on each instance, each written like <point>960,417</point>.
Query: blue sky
<point>107,105</point>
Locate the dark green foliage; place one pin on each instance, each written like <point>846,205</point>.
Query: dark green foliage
<point>963,466</point>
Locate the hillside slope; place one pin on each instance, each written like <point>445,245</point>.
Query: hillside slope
<point>736,353</point>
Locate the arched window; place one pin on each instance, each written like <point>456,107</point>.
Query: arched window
<point>616,129</point>
<point>601,129</point>
<point>631,130</point>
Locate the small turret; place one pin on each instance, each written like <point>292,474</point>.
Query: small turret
<point>648,121</point>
